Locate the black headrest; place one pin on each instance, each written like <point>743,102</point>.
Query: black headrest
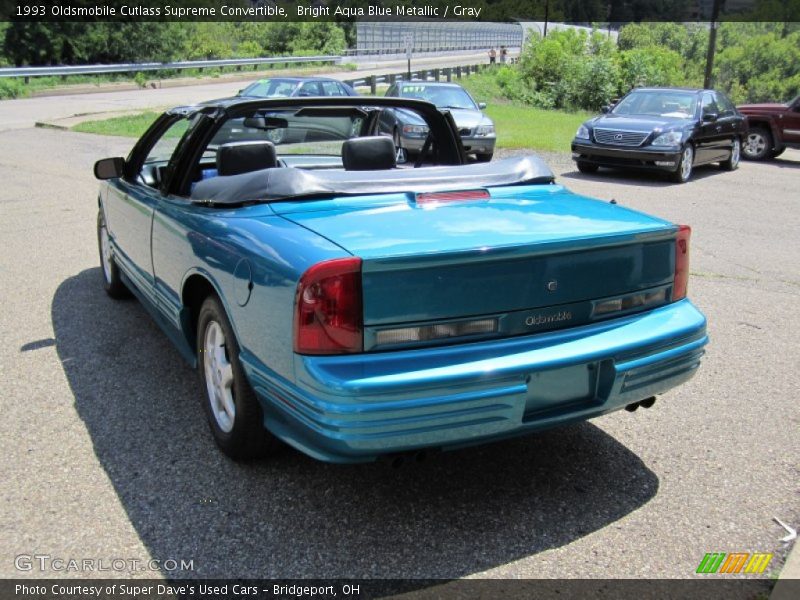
<point>244,157</point>
<point>369,154</point>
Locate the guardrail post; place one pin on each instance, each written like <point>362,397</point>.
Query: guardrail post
<point>392,79</point>
<point>448,73</point>
<point>373,88</point>
<point>436,74</point>
<point>458,72</point>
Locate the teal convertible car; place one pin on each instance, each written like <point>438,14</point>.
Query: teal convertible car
<point>354,307</point>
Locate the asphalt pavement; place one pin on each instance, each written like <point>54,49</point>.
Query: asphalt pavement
<point>106,452</point>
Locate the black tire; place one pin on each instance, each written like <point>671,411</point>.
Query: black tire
<point>246,438</point>
<point>733,161</point>
<point>112,280</point>
<point>683,173</point>
<point>757,144</point>
<point>585,167</point>
<point>778,152</point>
<point>484,157</point>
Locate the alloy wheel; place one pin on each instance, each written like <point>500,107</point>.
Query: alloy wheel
<point>219,377</point>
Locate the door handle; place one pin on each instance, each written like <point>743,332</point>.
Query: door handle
<point>719,127</point>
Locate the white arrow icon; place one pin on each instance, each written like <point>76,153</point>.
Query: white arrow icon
<point>792,532</point>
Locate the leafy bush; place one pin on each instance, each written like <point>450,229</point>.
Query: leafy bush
<point>11,88</point>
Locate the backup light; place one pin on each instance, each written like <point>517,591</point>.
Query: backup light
<point>440,331</point>
<point>623,303</point>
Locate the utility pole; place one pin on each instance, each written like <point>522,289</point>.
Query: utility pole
<point>708,81</point>
<point>546,15</point>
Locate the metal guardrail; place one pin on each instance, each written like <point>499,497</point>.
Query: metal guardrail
<point>446,73</point>
<point>27,72</point>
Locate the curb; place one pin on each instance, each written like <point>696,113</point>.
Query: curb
<point>788,584</point>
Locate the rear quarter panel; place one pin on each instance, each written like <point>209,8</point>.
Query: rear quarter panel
<point>189,240</point>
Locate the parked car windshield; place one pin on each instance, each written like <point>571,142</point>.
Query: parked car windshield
<point>658,103</point>
<point>440,95</point>
<point>269,88</point>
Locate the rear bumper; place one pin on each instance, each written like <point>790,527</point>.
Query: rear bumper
<point>356,408</point>
<point>626,157</point>
<point>480,145</point>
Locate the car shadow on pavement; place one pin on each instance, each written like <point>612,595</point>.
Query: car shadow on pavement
<point>642,178</point>
<point>455,514</point>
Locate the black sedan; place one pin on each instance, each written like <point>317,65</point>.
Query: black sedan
<point>667,129</point>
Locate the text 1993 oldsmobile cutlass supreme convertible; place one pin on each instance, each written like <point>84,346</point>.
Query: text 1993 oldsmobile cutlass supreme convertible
<point>353,307</point>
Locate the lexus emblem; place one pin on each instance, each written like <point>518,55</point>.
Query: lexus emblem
<point>617,136</point>
<point>552,285</point>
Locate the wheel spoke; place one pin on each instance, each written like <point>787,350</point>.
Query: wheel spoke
<point>226,380</point>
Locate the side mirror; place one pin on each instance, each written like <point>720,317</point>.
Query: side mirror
<point>481,105</point>
<point>605,109</point>
<point>109,168</point>
<point>710,117</point>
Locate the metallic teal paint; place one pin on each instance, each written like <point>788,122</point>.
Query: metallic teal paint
<point>357,407</point>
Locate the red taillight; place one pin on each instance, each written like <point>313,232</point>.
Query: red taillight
<point>460,196</point>
<point>328,313</point>
<point>681,262</point>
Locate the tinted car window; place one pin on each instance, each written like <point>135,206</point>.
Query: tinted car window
<point>441,96</point>
<point>726,108</point>
<point>710,104</point>
<point>661,103</point>
<point>309,88</point>
<point>267,88</point>
<point>331,88</point>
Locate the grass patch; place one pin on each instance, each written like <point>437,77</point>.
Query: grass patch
<point>534,128</point>
<point>125,126</point>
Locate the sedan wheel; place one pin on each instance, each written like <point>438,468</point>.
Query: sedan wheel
<point>233,410</point>
<point>757,144</point>
<point>733,162</point>
<point>684,171</point>
<point>112,280</point>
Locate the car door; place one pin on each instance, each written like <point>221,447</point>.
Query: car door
<point>710,143</point>
<point>731,121</point>
<point>789,122</point>
<point>131,201</point>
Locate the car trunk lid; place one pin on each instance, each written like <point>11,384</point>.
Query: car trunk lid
<point>521,249</point>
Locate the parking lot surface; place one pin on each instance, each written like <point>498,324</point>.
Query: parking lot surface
<point>106,452</point>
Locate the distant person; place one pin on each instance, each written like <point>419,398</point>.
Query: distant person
<point>492,56</point>
<point>503,54</point>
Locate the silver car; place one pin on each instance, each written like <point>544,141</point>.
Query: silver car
<point>409,131</point>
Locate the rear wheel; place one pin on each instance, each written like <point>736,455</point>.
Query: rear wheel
<point>112,280</point>
<point>233,411</point>
<point>733,161</point>
<point>684,171</point>
<point>778,152</point>
<point>757,144</point>
<point>585,167</point>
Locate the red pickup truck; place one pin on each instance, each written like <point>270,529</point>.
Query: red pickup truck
<point>772,129</point>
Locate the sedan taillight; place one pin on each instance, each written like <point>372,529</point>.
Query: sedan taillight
<point>681,282</point>
<point>328,309</point>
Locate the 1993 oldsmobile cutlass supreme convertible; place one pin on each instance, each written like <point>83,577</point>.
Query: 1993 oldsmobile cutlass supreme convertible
<point>355,307</point>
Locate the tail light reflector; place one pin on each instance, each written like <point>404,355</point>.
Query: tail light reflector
<point>328,317</point>
<point>681,281</point>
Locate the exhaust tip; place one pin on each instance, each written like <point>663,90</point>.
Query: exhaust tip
<point>632,407</point>
<point>648,402</point>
